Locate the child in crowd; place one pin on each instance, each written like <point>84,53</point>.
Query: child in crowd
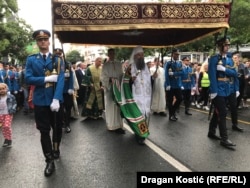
<point>7,109</point>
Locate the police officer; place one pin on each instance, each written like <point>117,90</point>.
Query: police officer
<point>68,92</point>
<point>46,73</point>
<point>221,73</point>
<point>233,102</point>
<point>173,84</point>
<point>188,83</point>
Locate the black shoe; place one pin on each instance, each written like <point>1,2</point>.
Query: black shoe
<point>172,118</point>
<point>227,143</point>
<point>140,140</point>
<point>213,136</point>
<point>236,128</point>
<point>67,129</point>
<point>56,154</point>
<point>49,169</point>
<point>120,131</point>
<point>7,143</point>
<point>25,112</point>
<point>162,114</point>
<point>155,113</point>
<point>188,113</point>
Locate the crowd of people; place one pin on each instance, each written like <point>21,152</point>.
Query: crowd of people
<point>54,89</point>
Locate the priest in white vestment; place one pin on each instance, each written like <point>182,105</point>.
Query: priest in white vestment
<point>142,83</point>
<point>111,70</point>
<point>158,106</point>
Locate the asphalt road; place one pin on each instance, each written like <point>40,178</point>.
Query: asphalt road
<point>91,156</point>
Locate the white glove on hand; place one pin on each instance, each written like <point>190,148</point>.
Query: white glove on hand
<point>237,94</point>
<point>66,74</point>
<point>213,95</point>
<point>168,88</point>
<point>70,91</point>
<point>51,78</point>
<point>171,73</point>
<point>221,68</point>
<point>194,88</point>
<point>182,88</point>
<point>15,92</point>
<point>55,105</point>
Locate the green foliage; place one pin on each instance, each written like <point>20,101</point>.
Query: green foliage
<point>239,22</point>
<point>12,4</point>
<point>74,56</point>
<point>123,53</point>
<point>15,33</point>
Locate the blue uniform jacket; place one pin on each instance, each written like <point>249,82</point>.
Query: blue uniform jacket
<point>187,78</point>
<point>16,85</point>
<point>175,80</point>
<point>5,78</point>
<point>222,88</point>
<point>68,82</point>
<point>35,74</point>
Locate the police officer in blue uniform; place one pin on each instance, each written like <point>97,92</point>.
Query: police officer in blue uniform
<point>46,72</point>
<point>173,84</point>
<point>188,83</point>
<point>221,74</point>
<point>68,92</point>
<point>7,76</point>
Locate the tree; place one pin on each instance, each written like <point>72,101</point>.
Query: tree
<point>74,56</point>
<point>15,33</point>
<point>240,23</point>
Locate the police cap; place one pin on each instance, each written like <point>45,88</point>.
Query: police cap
<point>223,41</point>
<point>6,63</point>
<point>176,51</point>
<point>41,34</point>
<point>58,51</point>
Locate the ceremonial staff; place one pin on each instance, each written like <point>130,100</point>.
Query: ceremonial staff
<point>54,72</point>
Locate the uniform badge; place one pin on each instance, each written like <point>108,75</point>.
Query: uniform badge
<point>41,33</point>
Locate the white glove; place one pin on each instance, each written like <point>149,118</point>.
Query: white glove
<point>55,105</point>
<point>70,91</point>
<point>221,68</point>
<point>66,74</point>
<point>15,92</point>
<point>213,95</point>
<point>194,88</point>
<point>8,92</point>
<point>171,73</point>
<point>51,78</point>
<point>237,94</point>
<point>182,88</point>
<point>168,88</point>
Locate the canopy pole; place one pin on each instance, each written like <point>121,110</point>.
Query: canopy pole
<point>53,37</point>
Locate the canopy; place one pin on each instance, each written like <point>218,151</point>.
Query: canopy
<point>130,24</point>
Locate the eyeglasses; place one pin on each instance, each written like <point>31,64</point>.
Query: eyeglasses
<point>42,39</point>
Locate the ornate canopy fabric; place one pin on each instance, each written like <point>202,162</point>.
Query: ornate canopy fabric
<point>130,24</point>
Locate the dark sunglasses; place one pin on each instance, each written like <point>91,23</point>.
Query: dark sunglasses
<point>42,39</point>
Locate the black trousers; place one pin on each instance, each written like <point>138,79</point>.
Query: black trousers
<point>186,93</point>
<point>170,97</point>
<point>45,121</point>
<point>67,106</point>
<point>219,117</point>
<point>232,101</point>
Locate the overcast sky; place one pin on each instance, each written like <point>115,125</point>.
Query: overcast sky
<point>36,13</point>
